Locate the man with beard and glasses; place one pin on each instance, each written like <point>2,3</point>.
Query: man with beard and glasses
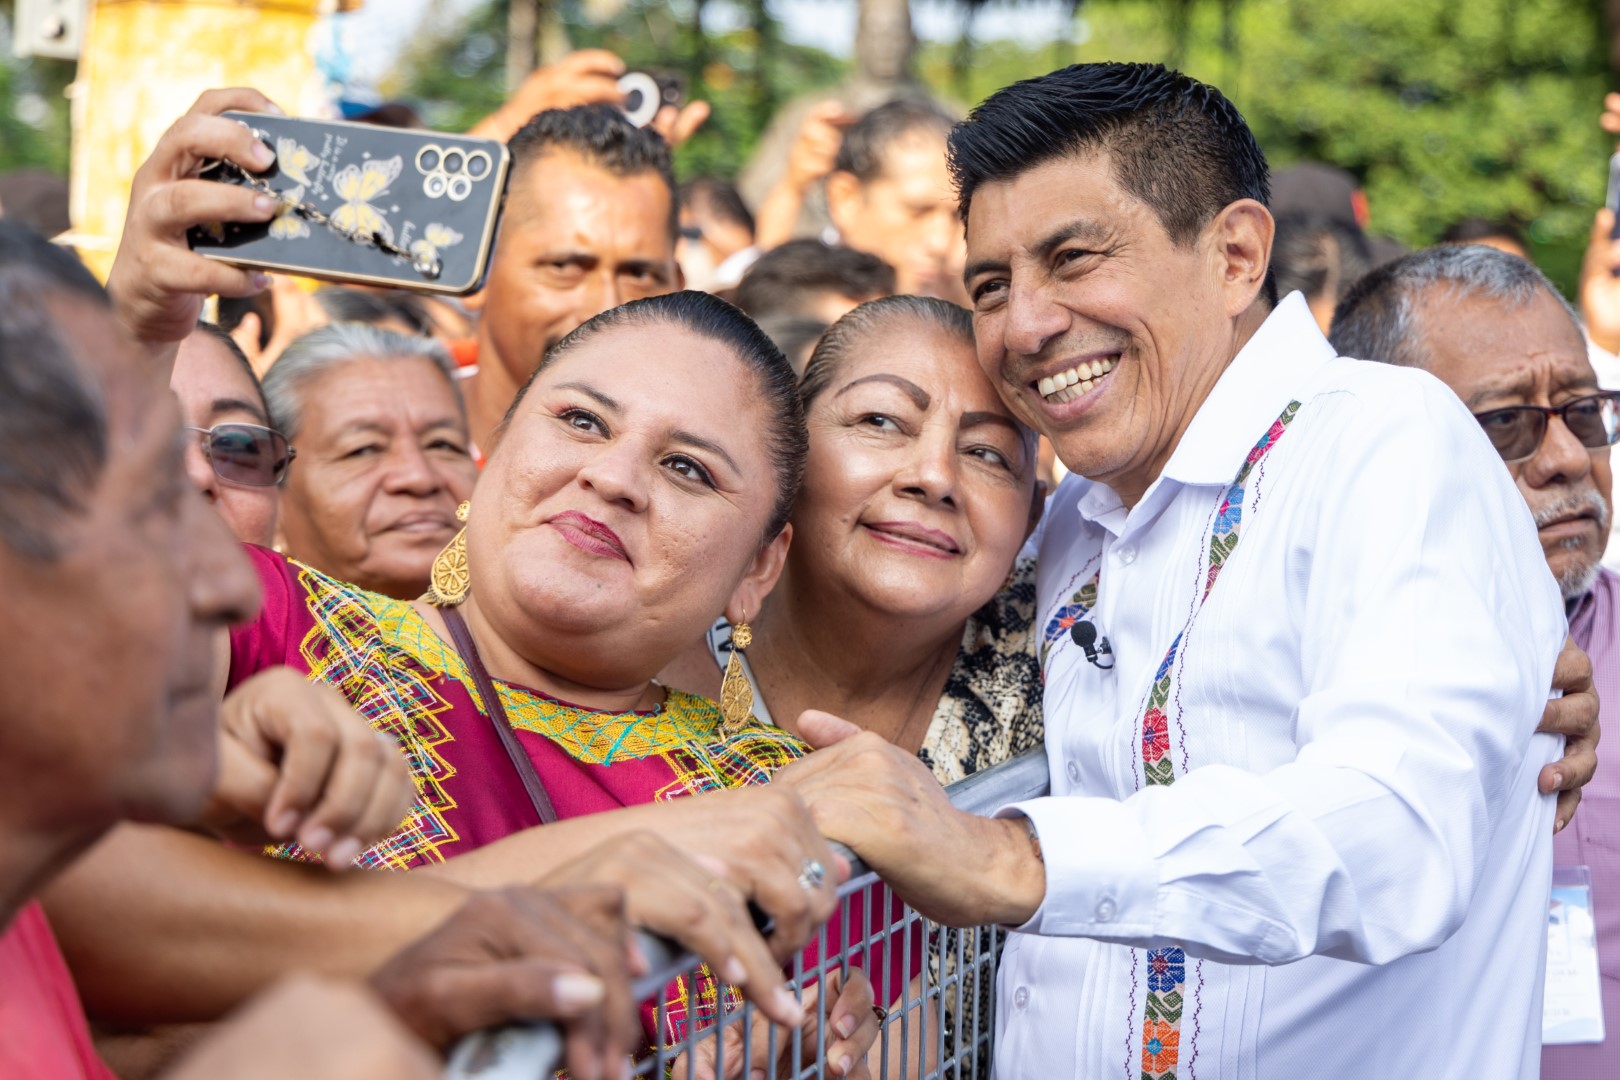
<point>1497,332</point>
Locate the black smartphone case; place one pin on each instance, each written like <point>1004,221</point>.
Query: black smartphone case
<point>435,196</point>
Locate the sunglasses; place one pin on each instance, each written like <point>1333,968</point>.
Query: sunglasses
<point>246,454</point>
<point>1517,432</point>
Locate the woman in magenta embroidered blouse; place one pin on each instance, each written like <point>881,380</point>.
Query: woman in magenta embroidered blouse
<point>640,487</point>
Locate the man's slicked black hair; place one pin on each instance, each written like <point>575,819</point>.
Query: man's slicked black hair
<point>1175,143</point>
<point>600,135</point>
<point>53,427</point>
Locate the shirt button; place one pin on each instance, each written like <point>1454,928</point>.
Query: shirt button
<point>1021,996</point>
<point>1127,554</point>
<point>1106,909</point>
<point>1074,772</point>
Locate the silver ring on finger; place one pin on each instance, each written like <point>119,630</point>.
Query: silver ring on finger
<point>812,875</point>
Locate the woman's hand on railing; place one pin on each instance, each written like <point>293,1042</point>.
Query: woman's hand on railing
<point>852,1031</point>
<point>770,848</point>
<point>688,900</point>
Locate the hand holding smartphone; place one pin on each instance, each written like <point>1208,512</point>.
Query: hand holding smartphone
<point>372,205</point>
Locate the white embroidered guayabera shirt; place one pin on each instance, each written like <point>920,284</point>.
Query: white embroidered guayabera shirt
<point>1343,870</point>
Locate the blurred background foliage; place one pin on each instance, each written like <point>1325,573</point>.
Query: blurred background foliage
<point>1442,108</point>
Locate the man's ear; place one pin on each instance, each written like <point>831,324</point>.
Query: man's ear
<point>757,583</point>
<point>843,195</point>
<point>1240,241</point>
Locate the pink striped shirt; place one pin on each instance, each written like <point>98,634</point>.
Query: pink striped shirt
<point>1593,838</point>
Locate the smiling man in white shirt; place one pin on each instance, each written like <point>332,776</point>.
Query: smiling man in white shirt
<point>1294,826</point>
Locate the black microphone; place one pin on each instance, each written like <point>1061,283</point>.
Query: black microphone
<point>1095,648</point>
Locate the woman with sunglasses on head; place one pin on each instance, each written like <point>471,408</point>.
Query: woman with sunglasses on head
<point>384,461</point>
<point>238,460</point>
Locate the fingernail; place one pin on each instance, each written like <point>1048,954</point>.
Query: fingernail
<point>733,972</point>
<point>625,1070</point>
<point>845,1026</point>
<point>284,825</point>
<point>274,109</point>
<point>787,1005</point>
<point>575,991</point>
<point>844,1064</point>
<point>317,839</point>
<point>1558,826</point>
<point>263,203</point>
<point>344,851</point>
<point>260,280</point>
<point>263,156</point>
<point>756,1074</point>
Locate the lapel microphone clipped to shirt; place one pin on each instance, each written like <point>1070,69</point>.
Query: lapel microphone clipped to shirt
<point>1096,648</point>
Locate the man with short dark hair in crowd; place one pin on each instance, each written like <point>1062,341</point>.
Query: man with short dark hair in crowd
<point>1300,817</point>
<point>889,194</point>
<point>1494,329</point>
<point>590,223</point>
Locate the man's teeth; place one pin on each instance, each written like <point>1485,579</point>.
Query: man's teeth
<point>1080,379</point>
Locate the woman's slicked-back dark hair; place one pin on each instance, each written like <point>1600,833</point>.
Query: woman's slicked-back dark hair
<point>843,335</point>
<point>712,318</point>
<point>1175,143</point>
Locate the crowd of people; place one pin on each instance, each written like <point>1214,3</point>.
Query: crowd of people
<point>378,662</point>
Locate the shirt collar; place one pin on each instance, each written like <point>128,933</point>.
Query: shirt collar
<point>1258,384</point>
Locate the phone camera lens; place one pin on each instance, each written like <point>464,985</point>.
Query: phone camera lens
<point>427,159</point>
<point>454,161</point>
<point>434,186</point>
<point>460,188</point>
<point>478,164</point>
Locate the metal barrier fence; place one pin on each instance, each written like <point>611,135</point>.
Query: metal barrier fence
<point>936,984</point>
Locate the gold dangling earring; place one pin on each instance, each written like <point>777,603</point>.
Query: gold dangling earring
<point>736,692</point>
<point>450,580</point>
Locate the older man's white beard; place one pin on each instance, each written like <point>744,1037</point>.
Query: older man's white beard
<point>1577,580</point>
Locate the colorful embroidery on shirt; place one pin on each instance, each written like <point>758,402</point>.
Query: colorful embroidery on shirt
<point>1064,618</point>
<point>348,648</point>
<point>1167,968</point>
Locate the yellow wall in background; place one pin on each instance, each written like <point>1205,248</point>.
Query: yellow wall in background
<point>143,65</point>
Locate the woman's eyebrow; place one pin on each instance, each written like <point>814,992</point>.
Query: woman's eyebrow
<point>698,442</point>
<point>919,397</point>
<point>592,393</point>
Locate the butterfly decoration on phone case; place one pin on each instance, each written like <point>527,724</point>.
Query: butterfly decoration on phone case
<point>357,186</point>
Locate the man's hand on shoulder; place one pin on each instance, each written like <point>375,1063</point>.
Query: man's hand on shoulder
<point>883,802</point>
<point>1574,716</point>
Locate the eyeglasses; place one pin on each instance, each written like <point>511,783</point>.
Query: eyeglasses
<point>246,454</point>
<point>1517,432</point>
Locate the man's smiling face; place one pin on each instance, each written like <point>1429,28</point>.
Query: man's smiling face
<point>1101,332</point>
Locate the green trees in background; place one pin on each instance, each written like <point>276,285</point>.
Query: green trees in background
<point>1443,108</point>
